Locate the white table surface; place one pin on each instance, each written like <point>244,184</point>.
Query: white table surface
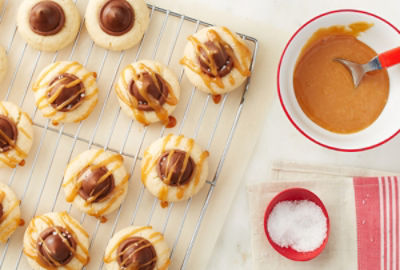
<point>279,140</point>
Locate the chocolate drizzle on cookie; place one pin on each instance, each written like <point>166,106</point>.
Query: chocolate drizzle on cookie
<point>95,184</point>
<point>155,87</point>
<point>56,246</point>
<point>46,18</point>
<point>136,253</point>
<point>215,58</point>
<point>175,167</point>
<point>8,134</point>
<point>116,17</point>
<point>66,92</point>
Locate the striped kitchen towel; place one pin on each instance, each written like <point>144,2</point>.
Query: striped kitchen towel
<point>364,213</point>
<point>377,212</point>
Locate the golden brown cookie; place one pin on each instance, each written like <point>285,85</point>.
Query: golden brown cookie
<point>148,91</point>
<point>174,168</point>
<point>16,135</point>
<point>56,241</point>
<point>96,182</point>
<point>66,92</point>
<point>117,24</point>
<point>216,60</point>
<point>9,212</point>
<point>48,25</point>
<point>137,248</point>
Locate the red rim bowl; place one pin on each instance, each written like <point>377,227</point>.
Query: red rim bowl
<point>295,194</point>
<point>305,127</point>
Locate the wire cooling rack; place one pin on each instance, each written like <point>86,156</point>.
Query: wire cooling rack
<point>38,183</point>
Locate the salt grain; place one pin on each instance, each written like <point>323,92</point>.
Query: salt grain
<point>300,225</point>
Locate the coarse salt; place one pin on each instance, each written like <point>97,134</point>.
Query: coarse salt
<point>300,225</point>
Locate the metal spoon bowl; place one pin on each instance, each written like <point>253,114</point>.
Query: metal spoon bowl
<point>383,60</point>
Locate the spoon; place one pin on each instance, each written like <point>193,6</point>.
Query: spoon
<point>383,60</point>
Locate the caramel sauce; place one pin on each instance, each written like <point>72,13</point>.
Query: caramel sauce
<point>146,245</point>
<point>6,159</point>
<point>150,162</point>
<point>241,66</point>
<point>32,252</point>
<point>3,108</point>
<point>133,103</point>
<point>171,122</point>
<point>216,98</point>
<point>163,204</point>
<point>324,88</point>
<point>103,219</point>
<point>21,222</point>
<point>231,80</point>
<point>108,257</point>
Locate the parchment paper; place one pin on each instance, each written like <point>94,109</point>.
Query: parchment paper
<point>37,183</point>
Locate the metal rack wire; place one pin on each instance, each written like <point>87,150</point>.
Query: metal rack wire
<point>58,144</point>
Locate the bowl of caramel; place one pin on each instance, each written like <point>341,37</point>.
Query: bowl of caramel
<point>317,93</point>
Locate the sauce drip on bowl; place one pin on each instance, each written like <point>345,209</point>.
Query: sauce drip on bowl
<point>324,88</point>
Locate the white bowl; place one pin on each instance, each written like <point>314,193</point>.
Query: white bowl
<point>381,37</point>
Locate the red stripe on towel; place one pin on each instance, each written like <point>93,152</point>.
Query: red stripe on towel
<point>384,225</point>
<point>366,191</point>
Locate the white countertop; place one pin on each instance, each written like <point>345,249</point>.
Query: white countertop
<point>279,140</point>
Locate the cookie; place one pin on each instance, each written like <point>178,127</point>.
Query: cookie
<point>174,168</point>
<point>56,241</point>
<point>66,92</point>
<point>137,248</point>
<point>9,212</point>
<point>16,135</point>
<point>96,182</point>
<point>216,60</point>
<point>3,63</point>
<point>116,24</point>
<point>148,91</point>
<point>48,25</point>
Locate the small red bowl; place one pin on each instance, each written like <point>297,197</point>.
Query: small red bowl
<point>296,194</point>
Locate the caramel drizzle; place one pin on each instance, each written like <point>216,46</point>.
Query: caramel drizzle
<point>244,54</point>
<point>43,101</point>
<point>108,258</point>
<point>136,251</point>
<point>5,158</point>
<point>32,252</point>
<point>133,103</point>
<point>118,190</point>
<point>150,163</point>
<point>7,213</point>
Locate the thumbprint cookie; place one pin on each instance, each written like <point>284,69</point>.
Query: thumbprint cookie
<point>3,63</point>
<point>174,168</point>
<point>16,135</point>
<point>96,182</point>
<point>56,241</point>
<point>48,25</point>
<point>149,92</point>
<point>137,248</point>
<point>216,60</point>
<point>117,24</point>
<point>9,212</point>
<point>66,92</point>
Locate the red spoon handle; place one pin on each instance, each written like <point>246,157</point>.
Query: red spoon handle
<point>390,58</point>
